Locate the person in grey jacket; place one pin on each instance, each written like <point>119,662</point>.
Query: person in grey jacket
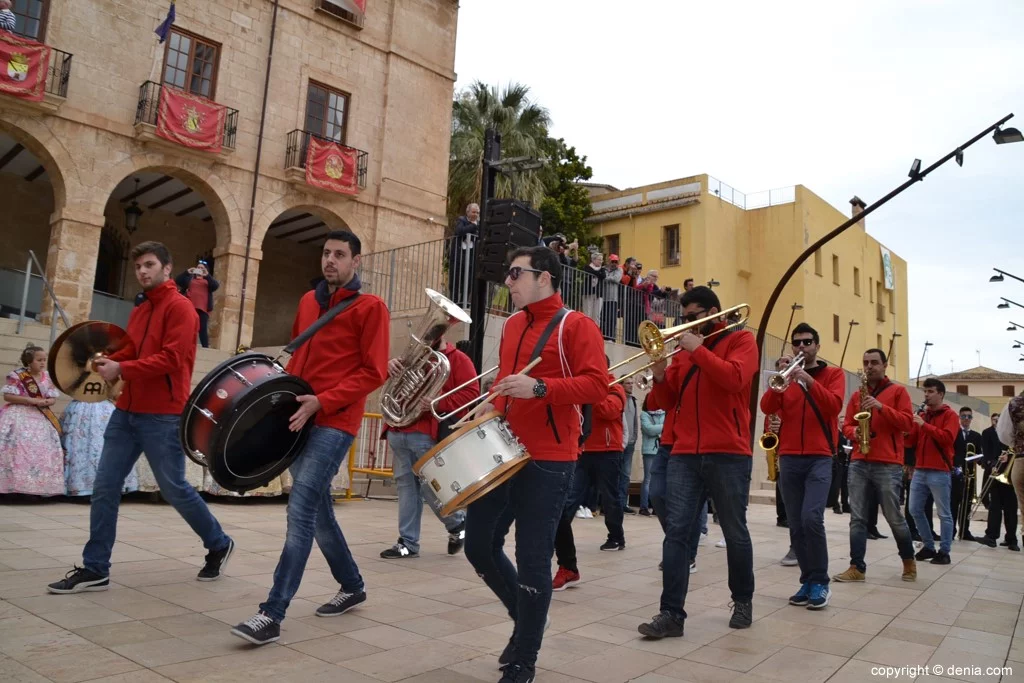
<point>651,423</point>
<point>610,308</point>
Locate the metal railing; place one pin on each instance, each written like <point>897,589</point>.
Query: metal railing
<point>755,200</point>
<point>298,145</point>
<point>369,453</point>
<point>148,111</point>
<point>32,260</point>
<point>59,73</point>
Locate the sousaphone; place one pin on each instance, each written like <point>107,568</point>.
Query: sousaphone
<point>72,360</point>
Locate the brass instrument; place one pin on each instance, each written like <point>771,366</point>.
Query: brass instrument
<point>655,341</point>
<point>863,418</point>
<point>769,443</point>
<point>779,381</point>
<point>1000,474</point>
<point>424,370</point>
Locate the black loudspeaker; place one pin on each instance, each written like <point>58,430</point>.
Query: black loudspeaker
<point>509,225</point>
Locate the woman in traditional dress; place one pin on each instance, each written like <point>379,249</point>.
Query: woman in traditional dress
<point>84,424</point>
<point>31,457</point>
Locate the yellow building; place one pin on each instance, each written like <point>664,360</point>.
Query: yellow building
<point>986,384</point>
<point>701,228</point>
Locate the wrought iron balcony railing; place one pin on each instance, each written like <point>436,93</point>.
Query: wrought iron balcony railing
<point>298,146</point>
<point>149,109</point>
<point>59,73</point>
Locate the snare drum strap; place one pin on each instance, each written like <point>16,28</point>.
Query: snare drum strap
<point>320,322</point>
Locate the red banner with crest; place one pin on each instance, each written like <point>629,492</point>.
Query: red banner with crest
<point>332,166</point>
<point>24,65</point>
<point>190,120</point>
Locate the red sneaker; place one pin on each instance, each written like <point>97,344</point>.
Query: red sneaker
<point>564,578</point>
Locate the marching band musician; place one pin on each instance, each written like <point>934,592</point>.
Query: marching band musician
<point>881,469</point>
<point>345,362</point>
<point>409,444</point>
<point>157,380</point>
<point>711,453</point>
<point>964,477</point>
<point>933,435</point>
<point>1003,505</point>
<point>809,411</point>
<point>543,410</point>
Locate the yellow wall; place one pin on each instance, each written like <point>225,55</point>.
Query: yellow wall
<point>748,251</point>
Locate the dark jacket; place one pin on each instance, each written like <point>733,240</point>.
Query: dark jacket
<point>185,279</point>
<point>991,446</point>
<point>960,448</point>
<point>462,228</point>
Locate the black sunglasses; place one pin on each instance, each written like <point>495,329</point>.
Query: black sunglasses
<point>515,272</point>
<point>803,342</point>
<point>694,317</point>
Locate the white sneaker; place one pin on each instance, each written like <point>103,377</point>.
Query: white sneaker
<point>581,513</point>
<point>693,567</point>
<point>703,539</point>
<point>720,544</point>
<point>588,513</point>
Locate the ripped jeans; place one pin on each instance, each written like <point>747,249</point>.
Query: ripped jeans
<point>533,499</point>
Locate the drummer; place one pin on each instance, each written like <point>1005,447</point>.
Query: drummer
<point>544,412</point>
<point>163,328</point>
<point>345,362</point>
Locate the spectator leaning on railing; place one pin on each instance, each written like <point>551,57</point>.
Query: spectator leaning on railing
<point>610,310</point>
<point>594,276</point>
<point>7,18</point>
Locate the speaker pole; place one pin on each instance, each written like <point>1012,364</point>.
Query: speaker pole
<point>478,297</point>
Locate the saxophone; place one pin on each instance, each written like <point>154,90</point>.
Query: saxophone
<point>769,443</point>
<point>863,418</point>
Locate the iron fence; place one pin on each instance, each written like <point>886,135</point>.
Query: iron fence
<point>58,75</point>
<point>755,200</point>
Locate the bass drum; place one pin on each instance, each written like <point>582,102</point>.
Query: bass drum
<point>236,422</point>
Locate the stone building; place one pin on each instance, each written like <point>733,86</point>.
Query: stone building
<point>73,163</point>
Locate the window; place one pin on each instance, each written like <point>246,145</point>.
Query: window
<point>962,390</point>
<point>611,246</point>
<point>856,281</point>
<point>892,301</point>
<point>670,245</point>
<point>30,18</point>
<point>871,289</point>
<point>326,112</point>
<point>1009,390</point>
<point>190,63</point>
<point>817,262</point>
<point>878,342</point>
<point>835,269</point>
<point>835,328</point>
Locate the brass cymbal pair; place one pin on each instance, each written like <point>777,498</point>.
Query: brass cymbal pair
<point>72,360</point>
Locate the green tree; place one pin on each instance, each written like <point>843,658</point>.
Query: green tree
<point>566,203</point>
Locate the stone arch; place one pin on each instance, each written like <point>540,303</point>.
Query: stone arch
<point>38,139</point>
<point>336,212</point>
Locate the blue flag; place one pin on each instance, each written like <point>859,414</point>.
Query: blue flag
<point>163,29</point>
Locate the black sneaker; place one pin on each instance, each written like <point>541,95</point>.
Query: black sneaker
<point>456,539</point>
<point>80,580</point>
<point>925,554</point>
<point>340,603</point>
<point>628,510</point>
<point>985,540</point>
<point>216,561</point>
<point>941,558</point>
<point>663,625</point>
<point>259,630</point>
<point>508,654</point>
<point>613,545</point>
<point>742,615</point>
<point>645,512</point>
<point>517,673</point>
<point>1014,547</point>
<point>399,550</point>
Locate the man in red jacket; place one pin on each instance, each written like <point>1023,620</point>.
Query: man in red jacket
<point>808,411</point>
<point>707,387</point>
<point>933,436</point>
<point>543,410</point>
<point>344,362</point>
<point>600,463</point>
<point>163,327</point>
<point>409,444</point>
<point>881,469</point>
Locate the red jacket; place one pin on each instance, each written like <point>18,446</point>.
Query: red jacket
<point>606,421</point>
<point>164,328</point>
<point>347,359</point>
<point>462,371</point>
<point>933,441</point>
<point>550,427</point>
<point>713,414</point>
<point>801,432</point>
<point>887,423</point>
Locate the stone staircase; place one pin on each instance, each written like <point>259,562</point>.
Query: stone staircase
<point>762,492</point>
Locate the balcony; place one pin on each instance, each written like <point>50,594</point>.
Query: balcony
<point>334,10</point>
<point>55,89</point>
<point>148,111</point>
<point>295,157</point>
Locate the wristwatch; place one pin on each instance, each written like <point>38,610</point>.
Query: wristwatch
<point>540,390</point>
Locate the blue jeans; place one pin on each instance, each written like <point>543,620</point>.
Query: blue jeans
<point>311,515</point>
<point>603,470</point>
<point>885,480</point>
<point>939,484</point>
<point>689,479</point>
<point>805,481</point>
<point>659,466</point>
<point>627,469</point>
<point>406,449</point>
<point>534,498</point>
<point>127,436</point>
<point>645,488</point>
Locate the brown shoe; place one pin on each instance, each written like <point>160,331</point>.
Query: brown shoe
<point>850,575</point>
<point>909,570</point>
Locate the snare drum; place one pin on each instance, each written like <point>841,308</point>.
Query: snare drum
<point>236,421</point>
<point>471,463</point>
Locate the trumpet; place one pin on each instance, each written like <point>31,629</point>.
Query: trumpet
<point>863,418</point>
<point>655,341</point>
<point>769,443</point>
<point>779,381</point>
<point>1000,473</point>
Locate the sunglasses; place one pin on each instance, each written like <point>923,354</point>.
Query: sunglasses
<point>515,272</point>
<point>803,342</point>
<point>694,317</point>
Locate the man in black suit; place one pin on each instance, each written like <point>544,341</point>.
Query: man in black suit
<point>961,470</point>
<point>1003,500</point>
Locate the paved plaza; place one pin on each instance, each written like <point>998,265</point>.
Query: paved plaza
<point>430,619</point>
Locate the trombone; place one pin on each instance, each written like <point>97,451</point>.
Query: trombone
<point>655,342</point>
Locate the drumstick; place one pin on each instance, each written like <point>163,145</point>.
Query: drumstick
<point>470,414</point>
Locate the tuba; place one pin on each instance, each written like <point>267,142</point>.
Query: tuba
<point>863,418</point>
<point>424,370</point>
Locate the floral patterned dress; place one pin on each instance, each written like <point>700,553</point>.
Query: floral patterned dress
<point>83,425</point>
<point>31,457</point>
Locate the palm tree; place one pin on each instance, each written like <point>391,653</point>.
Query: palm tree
<point>523,126</point>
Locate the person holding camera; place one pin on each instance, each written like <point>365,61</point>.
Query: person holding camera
<point>198,287</point>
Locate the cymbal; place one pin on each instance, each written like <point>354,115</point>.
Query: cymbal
<point>71,360</point>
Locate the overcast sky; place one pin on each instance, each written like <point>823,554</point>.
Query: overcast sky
<point>839,97</point>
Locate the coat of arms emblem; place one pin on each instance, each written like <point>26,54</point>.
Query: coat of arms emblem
<point>334,167</point>
<point>17,67</point>
<point>193,120</point>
